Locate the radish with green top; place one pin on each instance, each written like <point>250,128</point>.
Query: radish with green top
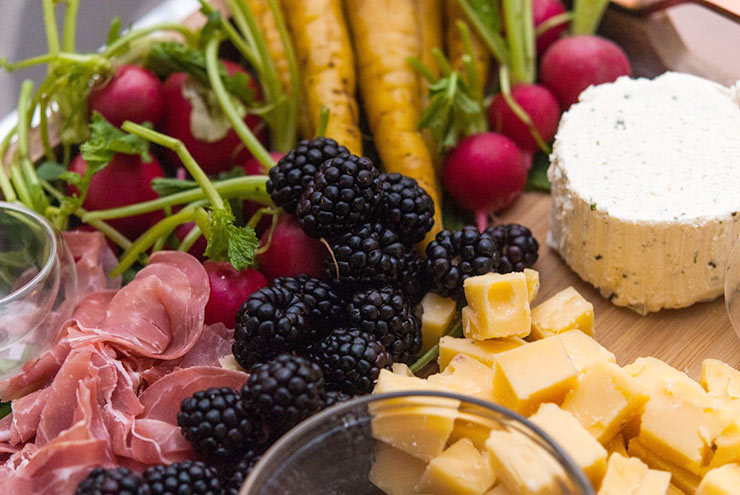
<point>132,93</point>
<point>574,63</point>
<point>229,289</point>
<point>485,173</point>
<point>291,252</point>
<point>544,10</point>
<point>541,106</point>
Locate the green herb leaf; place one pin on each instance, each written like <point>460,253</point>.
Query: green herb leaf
<point>168,57</point>
<point>107,140</point>
<point>5,409</point>
<point>165,186</point>
<point>227,242</point>
<point>115,30</point>
<point>537,179</point>
<point>49,171</point>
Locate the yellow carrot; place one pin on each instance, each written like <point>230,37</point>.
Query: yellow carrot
<point>327,67</point>
<point>385,35</point>
<point>456,46</point>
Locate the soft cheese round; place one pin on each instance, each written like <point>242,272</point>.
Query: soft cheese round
<point>646,188</point>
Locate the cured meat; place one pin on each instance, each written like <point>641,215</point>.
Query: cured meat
<point>109,391</point>
<point>93,260</point>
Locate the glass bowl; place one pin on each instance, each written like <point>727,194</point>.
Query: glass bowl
<point>38,283</point>
<point>333,452</point>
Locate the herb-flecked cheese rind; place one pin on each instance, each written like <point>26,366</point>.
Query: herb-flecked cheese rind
<point>645,181</point>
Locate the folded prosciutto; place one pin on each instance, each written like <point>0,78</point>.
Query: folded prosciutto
<point>109,390</point>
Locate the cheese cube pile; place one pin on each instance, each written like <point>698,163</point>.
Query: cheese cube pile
<point>642,429</point>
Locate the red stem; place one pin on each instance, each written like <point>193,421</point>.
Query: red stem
<point>481,219</point>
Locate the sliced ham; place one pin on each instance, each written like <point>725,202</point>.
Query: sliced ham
<point>93,261</point>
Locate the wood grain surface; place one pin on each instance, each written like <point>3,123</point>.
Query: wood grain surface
<point>682,338</point>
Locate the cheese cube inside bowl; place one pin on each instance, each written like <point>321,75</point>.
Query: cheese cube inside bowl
<point>394,471</point>
<point>723,480</point>
<point>461,469</point>
<point>631,476</point>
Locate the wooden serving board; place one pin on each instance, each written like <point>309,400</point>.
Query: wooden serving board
<point>682,338</point>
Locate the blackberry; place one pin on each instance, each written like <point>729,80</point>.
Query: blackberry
<point>293,172</point>
<point>343,194</point>
<point>517,247</point>
<point>115,481</point>
<point>454,256</point>
<point>335,397</point>
<point>351,360</point>
<point>414,279</point>
<point>286,390</point>
<point>405,208</point>
<point>217,425</point>
<point>321,300</point>
<point>191,477</point>
<point>385,314</point>
<point>233,483</point>
<point>371,254</point>
<point>271,321</point>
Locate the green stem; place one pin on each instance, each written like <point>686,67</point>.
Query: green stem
<point>520,36</point>
<point>469,65</point>
<point>159,244</point>
<point>268,77</point>
<point>422,69</point>
<point>491,39</point>
<point>190,239</point>
<point>48,58</point>
<point>70,25</point>
<point>444,65</point>
<point>587,15</point>
<point>264,247</point>
<point>50,26</point>
<point>454,330</point>
<point>148,238</point>
<point>121,43</point>
<point>291,126</point>
<point>44,130</point>
<point>554,21</point>
<point>323,121</point>
<point>16,176</point>
<point>24,119</point>
<point>251,187</point>
<point>5,183</point>
<point>187,159</point>
<point>241,45</point>
<point>224,101</point>
<point>518,110</point>
<point>202,220</point>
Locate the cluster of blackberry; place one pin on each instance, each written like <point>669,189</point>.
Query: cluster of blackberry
<point>194,478</point>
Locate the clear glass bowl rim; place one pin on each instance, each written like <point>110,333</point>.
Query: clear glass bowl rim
<point>575,474</point>
<point>48,264</point>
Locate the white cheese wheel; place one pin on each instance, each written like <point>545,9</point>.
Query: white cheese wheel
<point>646,189</point>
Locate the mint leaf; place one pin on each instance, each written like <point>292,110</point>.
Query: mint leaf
<point>227,242</point>
<point>106,140</point>
<point>49,171</point>
<point>168,57</point>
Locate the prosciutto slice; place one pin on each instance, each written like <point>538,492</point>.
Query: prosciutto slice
<point>109,391</point>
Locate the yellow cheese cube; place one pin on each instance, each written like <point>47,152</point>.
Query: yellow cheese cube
<point>483,351</point>
<point>467,376</point>
<point>625,476</point>
<point>720,380</point>
<point>538,372</point>
<point>564,428</point>
<point>523,466</point>
<point>723,480</point>
<point>583,350</point>
<point>674,490</point>
<point>498,306</point>
<point>394,471</point>
<point>617,445</point>
<point>401,369</point>
<point>680,477</point>
<point>461,469</point>
<point>681,430</point>
<point>657,376</point>
<point>727,445</point>
<point>605,398</point>
<point>437,315</point>
<point>533,283</point>
<point>566,310</point>
<point>473,427</point>
<point>418,426</point>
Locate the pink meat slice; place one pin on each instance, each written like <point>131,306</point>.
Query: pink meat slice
<point>93,260</point>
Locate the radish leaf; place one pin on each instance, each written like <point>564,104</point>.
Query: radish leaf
<point>106,140</point>
<point>228,242</point>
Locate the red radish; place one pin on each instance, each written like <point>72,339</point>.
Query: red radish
<point>541,106</point>
<point>229,289</point>
<point>542,11</point>
<point>291,252</point>
<point>198,248</point>
<point>574,63</point>
<point>124,181</point>
<point>253,167</point>
<point>213,156</point>
<point>133,93</point>
<point>485,173</point>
